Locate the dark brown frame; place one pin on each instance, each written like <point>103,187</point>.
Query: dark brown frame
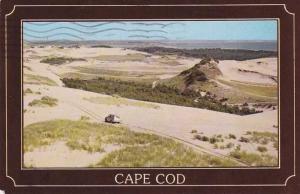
<point>247,180</point>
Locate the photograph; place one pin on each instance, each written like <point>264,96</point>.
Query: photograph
<point>150,93</point>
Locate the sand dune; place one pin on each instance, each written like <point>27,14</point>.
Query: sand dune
<point>255,71</point>
<point>170,120</point>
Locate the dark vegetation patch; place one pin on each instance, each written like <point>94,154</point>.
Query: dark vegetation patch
<point>217,53</point>
<point>160,94</point>
<point>262,149</point>
<point>101,46</point>
<point>44,101</point>
<point>201,138</point>
<point>206,68</point>
<point>60,60</point>
<point>244,139</point>
<point>231,136</point>
<point>28,91</point>
<point>212,140</point>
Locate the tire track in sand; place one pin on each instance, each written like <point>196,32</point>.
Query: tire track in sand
<point>196,147</point>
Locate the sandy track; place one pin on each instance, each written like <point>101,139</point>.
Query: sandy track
<point>168,120</point>
<point>175,118</point>
<point>147,130</point>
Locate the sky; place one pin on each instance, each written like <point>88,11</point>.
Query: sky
<point>151,30</point>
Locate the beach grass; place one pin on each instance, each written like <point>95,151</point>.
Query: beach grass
<point>136,149</point>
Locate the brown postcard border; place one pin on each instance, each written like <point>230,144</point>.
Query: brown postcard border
<point>120,168</point>
<point>287,57</point>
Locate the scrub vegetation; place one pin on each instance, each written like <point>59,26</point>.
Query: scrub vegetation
<point>44,101</point>
<point>253,159</point>
<point>160,94</point>
<point>60,60</point>
<point>136,149</point>
<point>217,53</point>
<point>37,79</point>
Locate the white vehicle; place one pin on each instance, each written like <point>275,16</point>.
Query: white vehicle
<point>112,119</point>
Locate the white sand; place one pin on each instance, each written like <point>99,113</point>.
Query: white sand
<point>59,154</point>
<point>162,66</point>
<point>168,120</point>
<point>264,67</point>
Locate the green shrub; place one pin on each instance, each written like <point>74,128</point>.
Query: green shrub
<point>205,138</point>
<point>213,140</point>
<point>231,136</point>
<point>264,141</point>
<point>60,60</point>
<point>216,146</point>
<point>28,91</point>
<point>244,139</point>
<point>194,131</point>
<point>230,145</point>
<point>248,133</point>
<point>201,138</point>
<point>44,101</point>
<point>197,136</point>
<point>262,149</point>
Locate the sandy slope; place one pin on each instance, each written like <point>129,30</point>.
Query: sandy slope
<point>169,120</point>
<point>264,68</point>
<point>167,117</point>
<point>103,58</point>
<point>59,154</point>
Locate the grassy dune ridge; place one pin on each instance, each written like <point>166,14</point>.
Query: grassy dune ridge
<point>136,149</point>
<point>160,94</point>
<point>216,53</point>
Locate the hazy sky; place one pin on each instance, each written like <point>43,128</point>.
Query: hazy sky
<point>152,30</point>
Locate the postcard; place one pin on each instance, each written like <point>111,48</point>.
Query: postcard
<point>148,98</point>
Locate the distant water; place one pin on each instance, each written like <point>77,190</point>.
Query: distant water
<point>267,46</point>
<point>247,45</point>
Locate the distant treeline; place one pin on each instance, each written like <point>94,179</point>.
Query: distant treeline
<point>101,46</point>
<point>160,94</point>
<point>216,53</point>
